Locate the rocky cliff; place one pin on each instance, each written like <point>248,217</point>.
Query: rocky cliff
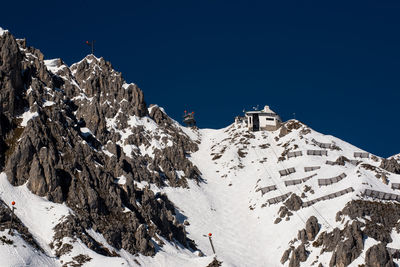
<point>82,136</point>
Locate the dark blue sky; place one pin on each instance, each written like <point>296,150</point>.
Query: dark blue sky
<point>336,64</point>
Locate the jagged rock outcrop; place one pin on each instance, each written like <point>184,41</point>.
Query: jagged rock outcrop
<point>286,254</point>
<point>294,202</point>
<point>390,165</point>
<point>368,219</point>
<point>11,91</point>
<point>380,225</point>
<point>341,160</point>
<point>11,82</point>
<point>159,116</point>
<point>349,249</point>
<point>378,256</point>
<point>87,139</point>
<point>105,95</point>
<point>300,254</point>
<point>312,228</point>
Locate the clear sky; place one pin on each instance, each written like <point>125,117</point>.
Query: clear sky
<point>336,64</point>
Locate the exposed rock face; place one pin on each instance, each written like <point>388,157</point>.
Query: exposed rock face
<point>294,202</point>
<point>364,219</point>
<point>11,82</point>
<point>11,90</point>
<point>286,255</point>
<point>380,225</point>
<point>312,228</point>
<point>377,256</point>
<point>351,248</point>
<point>341,160</point>
<point>90,141</point>
<point>347,244</point>
<point>390,165</point>
<point>300,254</point>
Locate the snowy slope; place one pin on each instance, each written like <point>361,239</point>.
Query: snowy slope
<point>235,164</point>
<point>229,206</point>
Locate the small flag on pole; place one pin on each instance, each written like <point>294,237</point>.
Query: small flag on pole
<point>211,243</point>
<point>91,44</point>
<point>12,218</point>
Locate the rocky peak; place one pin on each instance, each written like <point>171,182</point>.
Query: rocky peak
<point>11,82</point>
<point>97,78</point>
<point>104,94</point>
<point>82,136</point>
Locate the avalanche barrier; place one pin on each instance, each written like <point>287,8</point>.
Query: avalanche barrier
<point>322,145</point>
<point>266,189</point>
<point>278,199</point>
<point>381,195</point>
<point>330,196</point>
<point>361,155</point>
<point>308,169</point>
<point>287,171</point>
<point>299,181</point>
<point>329,181</point>
<point>294,154</point>
<point>317,152</point>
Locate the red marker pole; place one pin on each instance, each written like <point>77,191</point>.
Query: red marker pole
<point>12,216</point>
<point>209,238</point>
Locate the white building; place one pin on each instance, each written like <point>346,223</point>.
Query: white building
<point>264,119</point>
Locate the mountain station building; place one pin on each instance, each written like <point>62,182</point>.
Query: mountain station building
<point>265,119</point>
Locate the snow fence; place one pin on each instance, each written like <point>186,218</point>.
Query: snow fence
<point>322,145</point>
<point>287,171</point>
<point>294,154</point>
<point>330,196</point>
<point>329,181</point>
<point>381,195</point>
<point>313,168</point>
<point>267,189</point>
<point>317,152</point>
<point>361,155</point>
<point>299,181</point>
<point>278,199</point>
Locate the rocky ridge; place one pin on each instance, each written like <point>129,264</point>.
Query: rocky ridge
<point>83,136</point>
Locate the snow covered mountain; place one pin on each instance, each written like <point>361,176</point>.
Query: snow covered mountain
<point>101,179</point>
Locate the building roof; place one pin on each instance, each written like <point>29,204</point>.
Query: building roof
<point>266,111</point>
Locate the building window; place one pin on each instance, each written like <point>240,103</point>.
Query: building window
<point>269,119</point>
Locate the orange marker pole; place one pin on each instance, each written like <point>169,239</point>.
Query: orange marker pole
<point>12,216</point>
<point>209,238</point>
